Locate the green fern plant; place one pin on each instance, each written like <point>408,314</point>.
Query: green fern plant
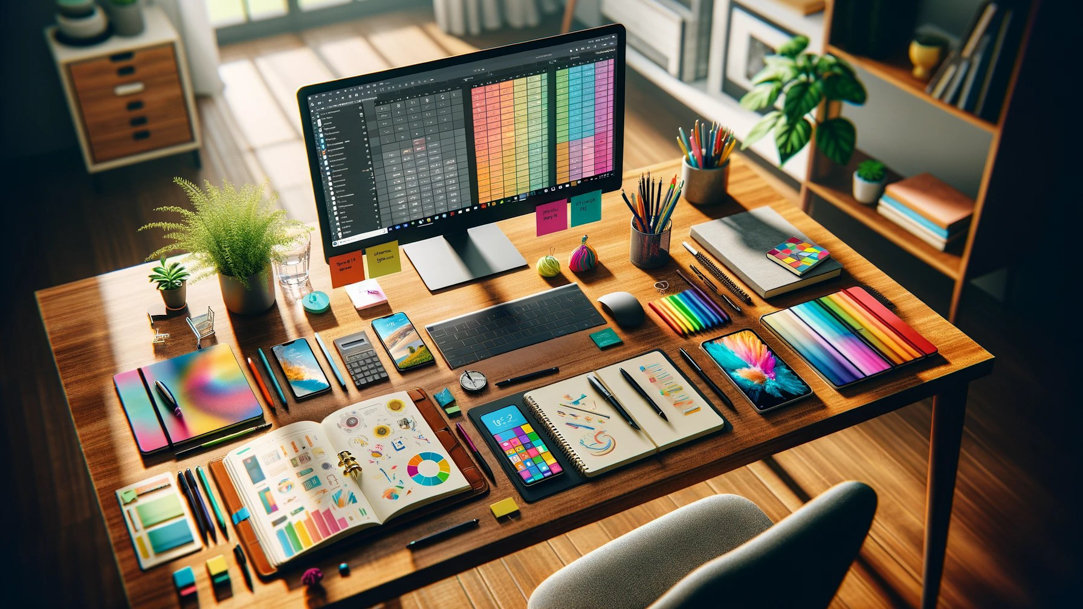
<point>168,276</point>
<point>228,230</point>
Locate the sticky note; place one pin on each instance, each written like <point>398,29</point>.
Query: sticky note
<point>605,338</point>
<point>383,259</point>
<point>551,217</point>
<point>444,397</point>
<point>127,496</point>
<point>216,566</point>
<point>185,581</point>
<point>170,536</point>
<point>504,507</point>
<point>587,208</point>
<point>164,508</point>
<point>346,269</point>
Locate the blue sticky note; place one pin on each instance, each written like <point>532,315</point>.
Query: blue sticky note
<point>605,338</point>
<point>170,536</point>
<point>444,397</point>
<point>551,217</point>
<point>587,208</point>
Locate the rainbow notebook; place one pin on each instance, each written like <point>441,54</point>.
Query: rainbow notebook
<point>210,388</point>
<point>848,336</point>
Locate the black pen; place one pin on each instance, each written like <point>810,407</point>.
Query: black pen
<point>706,379</point>
<point>242,562</point>
<point>643,394</point>
<point>440,535</point>
<point>167,396</point>
<point>203,513</point>
<point>710,284</point>
<point>600,388</point>
<point>474,449</point>
<point>527,377</point>
<point>183,483</point>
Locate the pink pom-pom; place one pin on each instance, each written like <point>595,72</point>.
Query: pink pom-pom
<point>312,577</point>
<point>583,258</point>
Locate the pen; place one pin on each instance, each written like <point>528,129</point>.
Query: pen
<point>600,388</point>
<point>262,386</point>
<point>714,270</point>
<point>242,562</point>
<point>444,534</point>
<point>167,395</point>
<point>270,373</point>
<point>643,394</point>
<point>474,449</point>
<point>327,356</point>
<point>215,442</point>
<point>214,504</point>
<point>527,377</point>
<point>191,504</point>
<point>203,513</point>
<point>706,379</point>
<point>710,284</point>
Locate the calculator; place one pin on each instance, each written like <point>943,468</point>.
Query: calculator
<point>361,359</point>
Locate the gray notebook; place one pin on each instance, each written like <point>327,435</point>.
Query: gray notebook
<point>741,242</point>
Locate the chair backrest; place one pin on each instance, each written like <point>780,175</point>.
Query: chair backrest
<point>798,562</point>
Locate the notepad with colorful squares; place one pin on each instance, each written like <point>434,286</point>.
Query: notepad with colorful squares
<point>848,336</point>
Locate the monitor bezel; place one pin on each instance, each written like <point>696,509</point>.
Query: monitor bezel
<point>461,222</point>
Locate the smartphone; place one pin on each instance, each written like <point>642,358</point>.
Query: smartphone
<point>761,375</point>
<point>523,449</point>
<point>303,373</point>
<point>402,342</point>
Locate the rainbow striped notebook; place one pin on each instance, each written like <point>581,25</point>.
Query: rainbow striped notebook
<point>848,336</point>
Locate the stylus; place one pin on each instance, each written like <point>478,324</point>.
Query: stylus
<point>444,534</point>
<point>527,377</point>
<point>327,356</point>
<point>474,449</point>
<point>274,380</point>
<point>609,397</point>
<point>706,379</point>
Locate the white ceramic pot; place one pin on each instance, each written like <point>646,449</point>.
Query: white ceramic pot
<point>865,191</point>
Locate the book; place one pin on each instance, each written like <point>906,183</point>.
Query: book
<point>934,200</point>
<point>968,95</point>
<point>923,233</point>
<point>957,78</point>
<point>593,433</point>
<point>797,256</point>
<point>1001,63</point>
<point>913,216</point>
<point>740,242</point>
<point>981,21</point>
<point>310,483</point>
<point>212,394</point>
<point>938,81</point>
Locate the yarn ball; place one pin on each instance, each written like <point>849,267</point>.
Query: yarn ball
<point>548,266</point>
<point>312,577</point>
<point>583,258</point>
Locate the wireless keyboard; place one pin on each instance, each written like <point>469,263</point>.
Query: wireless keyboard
<point>513,325</point>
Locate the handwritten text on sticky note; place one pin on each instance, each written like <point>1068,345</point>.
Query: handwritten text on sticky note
<point>346,269</point>
<point>383,259</point>
<point>587,208</point>
<point>551,217</point>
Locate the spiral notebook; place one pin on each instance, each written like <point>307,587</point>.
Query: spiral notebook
<point>597,438</point>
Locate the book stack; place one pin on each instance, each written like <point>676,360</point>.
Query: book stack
<point>927,207</point>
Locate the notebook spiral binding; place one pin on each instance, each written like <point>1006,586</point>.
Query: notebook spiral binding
<point>561,440</point>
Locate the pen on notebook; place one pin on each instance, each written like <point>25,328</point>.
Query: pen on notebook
<point>710,284</point>
<point>242,563</point>
<point>706,379</point>
<point>215,442</point>
<point>274,380</point>
<point>444,534</point>
<point>262,386</point>
<point>327,356</point>
<point>609,397</point>
<point>474,449</point>
<point>167,396</point>
<point>642,393</point>
<point>203,513</point>
<point>183,483</point>
<point>214,504</point>
<point>527,377</point>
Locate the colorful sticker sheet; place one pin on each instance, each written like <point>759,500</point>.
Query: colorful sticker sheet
<point>159,520</point>
<point>848,336</point>
<point>689,312</point>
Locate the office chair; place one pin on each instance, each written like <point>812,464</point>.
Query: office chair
<point>721,551</point>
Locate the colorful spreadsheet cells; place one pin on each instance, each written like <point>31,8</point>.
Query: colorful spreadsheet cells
<point>529,455</point>
<point>584,124</point>
<point>511,137</point>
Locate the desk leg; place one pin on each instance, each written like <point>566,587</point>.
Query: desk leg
<point>949,412</point>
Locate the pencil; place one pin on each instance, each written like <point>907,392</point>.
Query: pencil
<point>262,386</point>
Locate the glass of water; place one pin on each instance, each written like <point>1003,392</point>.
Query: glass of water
<point>292,262</point>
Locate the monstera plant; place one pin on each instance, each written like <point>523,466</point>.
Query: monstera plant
<point>804,81</point>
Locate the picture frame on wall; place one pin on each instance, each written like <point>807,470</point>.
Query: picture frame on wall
<point>749,38</point>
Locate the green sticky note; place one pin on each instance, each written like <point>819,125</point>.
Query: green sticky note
<point>605,338</point>
<point>383,259</point>
<point>170,536</point>
<point>127,496</point>
<point>587,208</point>
<point>164,508</point>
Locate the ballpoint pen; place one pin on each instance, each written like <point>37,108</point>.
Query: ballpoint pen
<point>327,356</point>
<point>167,396</point>
<point>474,449</point>
<point>214,504</point>
<point>444,534</point>
<point>527,377</point>
<point>274,380</point>
<point>642,393</point>
<point>609,397</point>
<point>182,482</point>
<point>710,284</point>
<point>714,270</point>
<point>706,379</point>
<point>242,562</point>
<point>203,513</point>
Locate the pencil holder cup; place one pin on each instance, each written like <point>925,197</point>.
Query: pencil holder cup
<point>705,186</point>
<point>650,250</point>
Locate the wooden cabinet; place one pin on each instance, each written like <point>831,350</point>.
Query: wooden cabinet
<point>130,97</point>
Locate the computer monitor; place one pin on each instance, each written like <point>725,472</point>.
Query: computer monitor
<point>431,155</point>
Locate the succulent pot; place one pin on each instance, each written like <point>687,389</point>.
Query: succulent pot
<point>175,298</point>
<point>865,191</point>
<point>256,298</point>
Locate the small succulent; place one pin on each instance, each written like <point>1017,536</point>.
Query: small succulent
<point>871,170</point>
<point>168,276</point>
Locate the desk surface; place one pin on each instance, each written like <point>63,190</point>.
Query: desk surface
<point>98,327</point>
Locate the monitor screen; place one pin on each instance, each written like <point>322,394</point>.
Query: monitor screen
<point>431,149</point>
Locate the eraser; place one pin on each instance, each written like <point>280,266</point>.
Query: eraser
<point>504,507</point>
<point>605,338</point>
<point>185,581</point>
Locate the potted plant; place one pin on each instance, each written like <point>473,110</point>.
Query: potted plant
<point>805,81</point>
<point>172,281</point>
<point>126,16</point>
<point>231,231</point>
<point>869,181</point>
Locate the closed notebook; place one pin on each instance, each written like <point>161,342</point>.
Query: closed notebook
<point>595,436</point>
<point>741,242</point>
<point>934,200</point>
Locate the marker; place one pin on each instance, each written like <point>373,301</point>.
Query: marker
<point>703,375</point>
<point>203,513</point>
<point>527,377</point>
<point>214,504</point>
<point>474,449</point>
<point>274,380</point>
<point>327,356</point>
<point>167,395</point>
<point>262,386</point>
<point>643,394</point>
<point>609,397</point>
<point>242,562</point>
<point>444,534</point>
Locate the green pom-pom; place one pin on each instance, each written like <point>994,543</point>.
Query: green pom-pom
<point>548,266</point>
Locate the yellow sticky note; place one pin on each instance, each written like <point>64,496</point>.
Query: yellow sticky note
<point>504,507</point>
<point>217,565</point>
<point>383,259</point>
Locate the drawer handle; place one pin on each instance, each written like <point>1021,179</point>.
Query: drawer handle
<point>129,89</point>
<point>135,105</point>
<point>118,57</point>
<point>126,71</point>
<point>142,134</point>
<point>137,121</point>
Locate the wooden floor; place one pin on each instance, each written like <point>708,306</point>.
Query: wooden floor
<point>1015,533</point>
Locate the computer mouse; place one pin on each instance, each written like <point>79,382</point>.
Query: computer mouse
<point>623,308</point>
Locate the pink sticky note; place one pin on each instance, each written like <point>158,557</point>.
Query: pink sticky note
<point>551,217</point>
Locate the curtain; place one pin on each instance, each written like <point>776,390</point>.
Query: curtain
<point>461,17</point>
<point>192,22</point>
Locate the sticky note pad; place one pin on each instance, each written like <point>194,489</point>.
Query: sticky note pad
<point>586,208</point>
<point>169,536</point>
<point>444,397</point>
<point>127,496</point>
<point>346,269</point>
<point>605,338</point>
<point>551,217</point>
<point>217,566</point>
<point>185,581</point>
<point>504,507</point>
<point>383,259</point>
<point>162,509</point>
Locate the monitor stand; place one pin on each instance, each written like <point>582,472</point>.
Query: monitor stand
<point>463,256</point>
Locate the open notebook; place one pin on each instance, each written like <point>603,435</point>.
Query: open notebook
<point>594,434</point>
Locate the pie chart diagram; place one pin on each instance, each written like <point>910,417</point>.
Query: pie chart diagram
<point>428,469</point>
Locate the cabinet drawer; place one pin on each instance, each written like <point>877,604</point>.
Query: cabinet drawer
<point>156,96</point>
<point>106,125</point>
<point>103,74</point>
<point>135,140</point>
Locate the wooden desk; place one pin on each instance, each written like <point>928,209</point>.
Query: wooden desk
<point>98,327</point>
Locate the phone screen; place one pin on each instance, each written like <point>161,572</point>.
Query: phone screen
<point>303,372</point>
<point>766,380</point>
<point>521,445</point>
<point>402,341</point>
